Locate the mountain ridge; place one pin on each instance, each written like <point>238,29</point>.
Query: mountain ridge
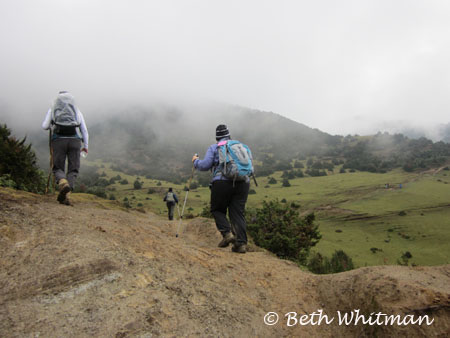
<point>159,141</point>
<point>95,269</point>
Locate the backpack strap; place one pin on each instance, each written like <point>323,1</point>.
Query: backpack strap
<point>220,144</point>
<point>76,114</point>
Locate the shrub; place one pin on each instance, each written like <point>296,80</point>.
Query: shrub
<point>404,259</point>
<point>6,181</point>
<point>319,264</point>
<point>280,229</point>
<point>151,191</point>
<point>299,173</point>
<point>99,192</point>
<point>102,182</point>
<point>112,197</point>
<point>206,212</point>
<point>272,181</point>
<point>295,205</point>
<point>288,174</point>
<point>137,185</point>
<point>340,262</point>
<point>286,183</point>
<point>316,172</point>
<point>18,168</point>
<point>251,192</point>
<point>124,181</point>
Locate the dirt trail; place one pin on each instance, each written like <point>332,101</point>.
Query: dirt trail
<point>90,271</point>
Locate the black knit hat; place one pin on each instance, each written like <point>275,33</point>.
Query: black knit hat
<point>222,131</point>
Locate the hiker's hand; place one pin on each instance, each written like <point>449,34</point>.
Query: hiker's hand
<point>85,150</point>
<point>195,157</point>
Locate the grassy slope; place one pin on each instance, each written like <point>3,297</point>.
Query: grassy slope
<point>358,204</point>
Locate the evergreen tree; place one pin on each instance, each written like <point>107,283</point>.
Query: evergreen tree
<point>280,229</point>
<point>18,166</point>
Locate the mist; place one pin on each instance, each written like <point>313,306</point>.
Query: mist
<point>343,67</point>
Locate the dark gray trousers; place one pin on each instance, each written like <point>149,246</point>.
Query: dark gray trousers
<point>170,207</point>
<point>232,197</point>
<point>66,148</point>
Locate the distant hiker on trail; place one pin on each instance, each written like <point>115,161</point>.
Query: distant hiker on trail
<point>171,199</point>
<point>63,119</point>
<point>229,188</point>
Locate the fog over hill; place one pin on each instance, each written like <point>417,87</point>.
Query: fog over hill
<point>162,138</point>
<point>158,140</point>
<point>433,131</point>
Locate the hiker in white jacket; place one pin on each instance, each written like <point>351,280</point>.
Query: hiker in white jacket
<point>64,118</point>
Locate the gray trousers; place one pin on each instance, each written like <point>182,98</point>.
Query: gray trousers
<point>170,208</point>
<point>70,148</point>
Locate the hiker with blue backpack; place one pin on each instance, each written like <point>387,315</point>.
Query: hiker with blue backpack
<point>63,119</point>
<point>171,199</point>
<point>231,164</point>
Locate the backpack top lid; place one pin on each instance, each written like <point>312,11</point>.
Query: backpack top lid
<point>63,111</point>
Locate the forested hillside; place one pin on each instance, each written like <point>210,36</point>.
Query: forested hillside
<point>159,142</point>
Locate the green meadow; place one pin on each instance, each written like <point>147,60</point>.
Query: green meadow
<point>356,212</point>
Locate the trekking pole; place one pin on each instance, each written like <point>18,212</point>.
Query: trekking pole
<point>178,209</point>
<point>185,199</point>
<point>51,160</point>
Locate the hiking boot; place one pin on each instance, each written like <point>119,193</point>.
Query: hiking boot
<point>227,239</point>
<point>67,200</point>
<point>242,248</point>
<point>64,188</point>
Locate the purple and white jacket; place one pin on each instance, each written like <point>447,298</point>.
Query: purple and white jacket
<point>211,161</point>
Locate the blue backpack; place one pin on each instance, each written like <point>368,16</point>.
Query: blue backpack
<point>235,160</point>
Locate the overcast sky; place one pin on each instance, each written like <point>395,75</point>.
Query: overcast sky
<point>340,66</point>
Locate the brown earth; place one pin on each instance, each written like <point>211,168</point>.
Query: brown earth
<point>96,270</point>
